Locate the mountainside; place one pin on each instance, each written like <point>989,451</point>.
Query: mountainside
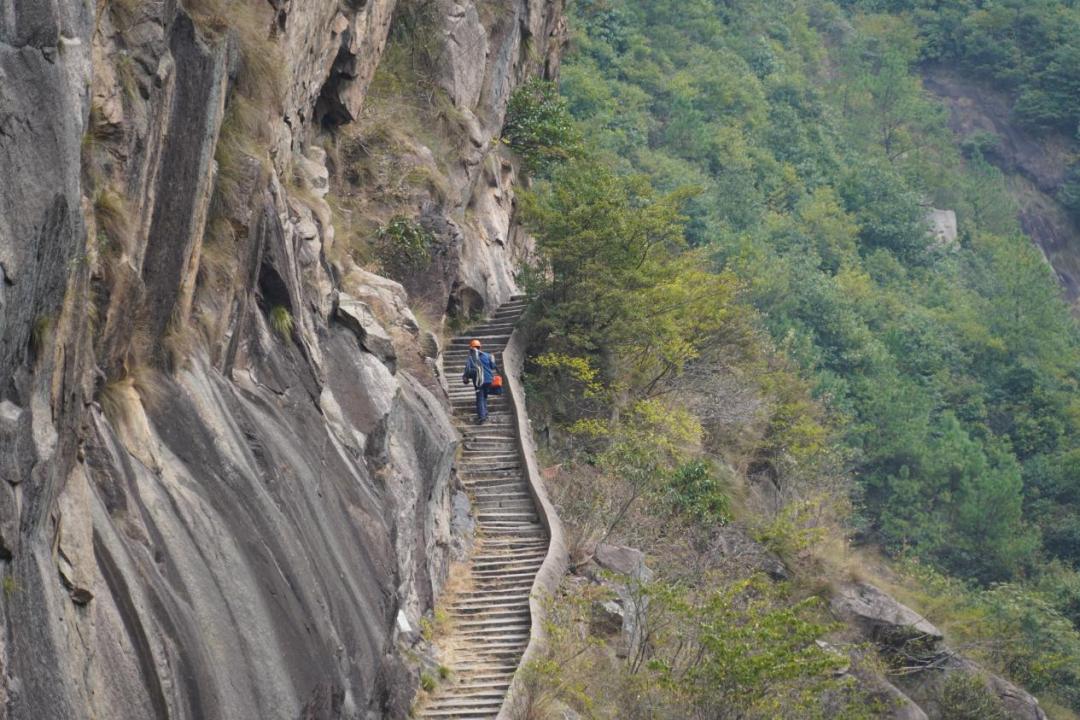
<point>807,390</point>
<point>802,436</point>
<point>227,449</point>
<point>1036,164</point>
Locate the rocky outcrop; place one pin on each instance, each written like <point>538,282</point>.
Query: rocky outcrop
<point>915,646</point>
<point>942,224</point>
<point>479,55</point>
<point>884,620</point>
<point>226,483</point>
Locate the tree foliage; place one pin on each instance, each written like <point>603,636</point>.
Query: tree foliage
<point>759,175</point>
<point>539,127</point>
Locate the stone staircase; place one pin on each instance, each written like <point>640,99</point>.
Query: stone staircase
<point>490,620</point>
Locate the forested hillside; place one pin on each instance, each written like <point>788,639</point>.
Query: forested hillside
<point>749,322</point>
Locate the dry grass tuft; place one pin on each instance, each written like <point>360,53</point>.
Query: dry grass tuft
<point>124,12</point>
<point>261,78</point>
<point>143,384</point>
<point>40,334</point>
<point>113,222</point>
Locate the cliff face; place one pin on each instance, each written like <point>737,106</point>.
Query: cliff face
<point>226,453</point>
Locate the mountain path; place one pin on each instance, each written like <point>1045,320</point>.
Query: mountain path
<point>489,614</point>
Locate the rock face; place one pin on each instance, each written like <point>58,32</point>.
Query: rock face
<point>225,458</point>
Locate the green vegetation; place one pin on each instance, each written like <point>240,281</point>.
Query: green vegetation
<point>1030,49</point>
<point>739,650</point>
<point>966,697</point>
<point>428,683</point>
<point>402,247</point>
<point>737,273</point>
<point>281,321</point>
<point>539,127</point>
<point>949,370</point>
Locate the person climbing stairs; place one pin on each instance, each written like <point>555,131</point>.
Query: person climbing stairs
<point>490,619</point>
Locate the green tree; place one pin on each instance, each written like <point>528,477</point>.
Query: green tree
<point>539,127</point>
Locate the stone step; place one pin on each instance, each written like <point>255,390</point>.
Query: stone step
<point>449,699</point>
<point>505,444</point>
<point>499,326</point>
<point>479,675</point>
<point>481,608</point>
<point>532,564</point>
<point>508,597</point>
<point>508,468</point>
<point>511,654</point>
<point>479,686</point>
<point>496,504</point>
<point>496,419</point>
<point>482,636</point>
<point>516,588</point>
<point>494,488</point>
<point>486,491</point>
<point>464,704</point>
<point>503,545</point>
<point>499,523</point>
<point>485,591</point>
<point>474,712</point>
<point>513,482</point>
<point>487,341</point>
<point>495,616</point>
<point>511,496</point>
<point>531,558</point>
<point>510,524</point>
<point>467,419</point>
<point>490,434</point>
<point>494,474</point>
<point>490,447</point>
<point>487,666</point>
<point>480,458</point>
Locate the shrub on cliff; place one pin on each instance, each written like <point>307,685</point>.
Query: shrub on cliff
<point>539,127</point>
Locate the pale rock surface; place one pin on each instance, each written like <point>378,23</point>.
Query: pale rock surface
<point>942,225</point>
<point>357,316</point>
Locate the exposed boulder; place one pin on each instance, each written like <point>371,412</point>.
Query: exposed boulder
<point>942,224</point>
<point>1018,703</point>
<point>358,318</point>
<point>895,704</point>
<point>623,560</point>
<point>885,621</point>
<point>745,553</point>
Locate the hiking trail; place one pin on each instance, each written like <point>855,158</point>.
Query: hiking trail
<point>489,609</point>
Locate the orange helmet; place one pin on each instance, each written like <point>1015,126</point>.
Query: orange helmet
<point>474,344</point>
